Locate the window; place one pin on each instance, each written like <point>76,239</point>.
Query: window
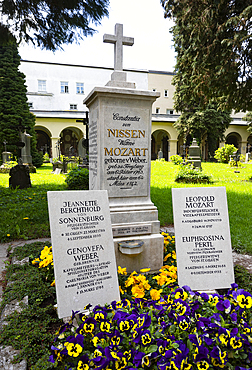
<point>166,93</point>
<point>157,110</point>
<point>42,85</point>
<point>30,105</point>
<point>64,87</point>
<point>169,111</point>
<point>79,88</point>
<point>73,106</point>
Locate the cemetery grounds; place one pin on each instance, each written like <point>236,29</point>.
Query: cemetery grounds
<point>25,216</point>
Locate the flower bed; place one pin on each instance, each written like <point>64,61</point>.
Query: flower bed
<point>182,330</point>
<point>159,325</point>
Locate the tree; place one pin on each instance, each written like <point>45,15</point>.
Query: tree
<point>213,41</point>
<point>211,122</point>
<point>15,116</point>
<point>50,23</point>
<point>248,118</point>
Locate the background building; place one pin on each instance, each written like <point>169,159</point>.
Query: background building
<point>56,92</point>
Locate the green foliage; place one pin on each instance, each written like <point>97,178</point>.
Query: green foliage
<point>32,330</point>
<point>213,44</point>
<point>248,118</point>
<point>211,122</point>
<point>50,24</point>
<point>176,159</point>
<point>78,179</point>
<point>37,159</point>
<point>15,116</point>
<point>10,164</point>
<point>223,154</point>
<point>46,158</point>
<point>243,278</point>
<point>189,174</point>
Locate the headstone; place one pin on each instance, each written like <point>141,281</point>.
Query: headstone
<point>120,160</point>
<point>83,251</point>
<point>194,154</point>
<point>19,177</point>
<point>26,150</point>
<point>203,243</point>
<point>160,154</point>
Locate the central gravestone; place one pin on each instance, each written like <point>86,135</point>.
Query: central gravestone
<point>120,162</point>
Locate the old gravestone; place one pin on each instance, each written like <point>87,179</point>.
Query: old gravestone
<point>83,251</point>
<point>120,161</point>
<point>203,244</point>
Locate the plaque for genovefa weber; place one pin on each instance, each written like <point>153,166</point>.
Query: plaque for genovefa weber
<point>202,236</point>
<point>83,249</point>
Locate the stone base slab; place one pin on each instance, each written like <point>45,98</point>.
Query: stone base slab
<point>151,256</point>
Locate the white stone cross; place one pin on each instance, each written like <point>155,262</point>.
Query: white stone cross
<point>118,40</point>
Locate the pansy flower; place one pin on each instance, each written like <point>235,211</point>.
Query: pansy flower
<point>105,326</point>
<point>74,345</point>
<point>83,363</point>
<point>144,320</point>
<point>100,315</point>
<point>236,343</point>
<point>183,323</point>
<point>115,338</point>
<point>89,325</point>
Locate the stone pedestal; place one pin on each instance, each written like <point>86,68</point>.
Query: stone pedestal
<point>120,162</point>
<point>194,154</point>
<point>6,156</point>
<point>26,150</point>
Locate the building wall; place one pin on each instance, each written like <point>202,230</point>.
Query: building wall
<point>57,112</point>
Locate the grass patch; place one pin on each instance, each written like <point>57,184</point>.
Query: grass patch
<point>239,196</point>
<point>26,212</point>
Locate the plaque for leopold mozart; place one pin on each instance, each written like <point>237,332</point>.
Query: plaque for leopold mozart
<point>203,244</point>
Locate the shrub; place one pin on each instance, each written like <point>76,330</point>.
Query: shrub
<point>37,159</point>
<point>46,158</point>
<point>189,174</point>
<point>78,179</point>
<point>223,154</point>
<point>176,159</point>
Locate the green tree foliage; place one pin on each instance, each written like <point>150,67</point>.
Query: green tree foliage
<point>50,23</point>
<point>211,122</point>
<point>14,111</point>
<point>248,118</point>
<point>213,41</point>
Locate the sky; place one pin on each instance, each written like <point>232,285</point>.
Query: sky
<point>142,19</point>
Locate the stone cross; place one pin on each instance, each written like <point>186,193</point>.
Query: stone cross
<point>118,40</point>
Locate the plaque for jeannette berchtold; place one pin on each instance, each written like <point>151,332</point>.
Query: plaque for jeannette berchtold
<point>202,236</point>
<point>83,249</point>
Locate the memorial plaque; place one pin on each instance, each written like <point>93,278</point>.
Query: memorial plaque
<point>203,244</point>
<point>131,230</point>
<point>126,145</point>
<point>83,249</point>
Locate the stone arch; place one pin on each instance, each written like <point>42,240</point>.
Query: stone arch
<point>235,139</point>
<point>69,141</point>
<point>44,143</point>
<point>160,140</point>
